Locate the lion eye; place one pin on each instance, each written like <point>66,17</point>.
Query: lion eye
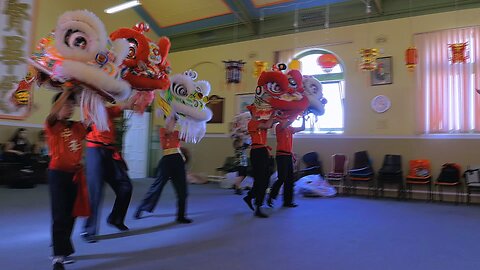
<point>180,90</point>
<point>76,39</point>
<point>273,87</point>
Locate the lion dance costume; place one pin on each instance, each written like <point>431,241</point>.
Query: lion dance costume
<point>279,96</point>
<point>184,103</point>
<point>147,65</point>
<point>79,55</point>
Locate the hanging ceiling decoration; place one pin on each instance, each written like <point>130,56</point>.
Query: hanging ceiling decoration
<point>327,62</point>
<point>368,60</point>
<point>458,52</point>
<point>233,70</point>
<point>411,58</point>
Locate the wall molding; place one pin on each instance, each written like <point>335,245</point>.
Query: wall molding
<point>20,124</point>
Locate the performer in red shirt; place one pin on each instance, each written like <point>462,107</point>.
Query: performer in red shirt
<point>171,166</point>
<point>105,164</point>
<point>259,156</point>
<point>65,145</point>
<point>284,133</point>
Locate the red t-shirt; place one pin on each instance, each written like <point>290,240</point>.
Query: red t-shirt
<point>105,137</point>
<point>259,136</point>
<point>284,140</point>
<point>169,140</point>
<point>65,145</point>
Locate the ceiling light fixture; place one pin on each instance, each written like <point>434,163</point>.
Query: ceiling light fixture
<point>123,6</point>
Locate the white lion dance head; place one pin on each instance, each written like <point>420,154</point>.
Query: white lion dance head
<point>79,54</point>
<point>314,92</point>
<point>187,99</point>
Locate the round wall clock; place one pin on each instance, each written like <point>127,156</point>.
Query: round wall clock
<point>381,103</point>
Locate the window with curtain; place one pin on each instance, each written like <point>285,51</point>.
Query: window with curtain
<point>446,93</point>
<point>333,90</point>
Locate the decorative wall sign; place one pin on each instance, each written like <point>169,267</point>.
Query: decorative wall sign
<point>243,100</point>
<point>381,104</point>
<point>215,103</point>
<point>368,59</point>
<point>382,74</point>
<point>458,53</point>
<point>16,32</point>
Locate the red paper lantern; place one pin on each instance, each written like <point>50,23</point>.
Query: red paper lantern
<point>411,58</point>
<point>327,62</point>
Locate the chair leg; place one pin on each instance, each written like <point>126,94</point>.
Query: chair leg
<point>430,193</point>
<point>468,195</point>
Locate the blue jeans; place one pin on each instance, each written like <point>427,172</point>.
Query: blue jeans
<point>101,167</point>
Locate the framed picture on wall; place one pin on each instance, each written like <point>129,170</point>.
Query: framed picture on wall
<point>243,100</point>
<point>383,72</point>
<point>215,103</point>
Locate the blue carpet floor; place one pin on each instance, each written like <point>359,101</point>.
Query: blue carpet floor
<point>335,234</point>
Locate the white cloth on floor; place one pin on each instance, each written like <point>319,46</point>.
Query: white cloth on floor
<point>314,186</point>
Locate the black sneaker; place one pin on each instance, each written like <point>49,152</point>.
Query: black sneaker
<point>66,260</point>
<point>88,237</point>
<point>260,214</point>
<point>248,201</point>
<point>184,220</point>
<point>270,202</point>
<point>58,266</point>
<point>290,205</point>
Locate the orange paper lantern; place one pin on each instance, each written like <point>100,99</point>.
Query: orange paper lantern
<point>411,58</point>
<point>327,62</point>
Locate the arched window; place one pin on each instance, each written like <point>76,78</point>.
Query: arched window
<point>333,83</point>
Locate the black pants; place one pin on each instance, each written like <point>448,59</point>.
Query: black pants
<point>101,167</point>
<point>285,177</point>
<point>62,198</point>
<point>170,167</point>
<point>260,165</point>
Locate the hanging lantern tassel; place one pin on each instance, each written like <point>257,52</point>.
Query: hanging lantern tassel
<point>411,58</point>
<point>327,62</point>
<point>458,53</point>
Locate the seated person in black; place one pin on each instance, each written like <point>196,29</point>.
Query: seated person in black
<point>18,149</point>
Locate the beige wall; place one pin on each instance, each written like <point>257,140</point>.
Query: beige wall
<point>392,132</point>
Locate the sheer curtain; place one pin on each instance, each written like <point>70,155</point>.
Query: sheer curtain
<point>446,96</point>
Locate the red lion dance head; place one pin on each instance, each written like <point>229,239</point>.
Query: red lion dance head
<point>146,62</point>
<point>279,92</point>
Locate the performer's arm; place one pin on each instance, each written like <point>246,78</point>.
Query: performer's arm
<point>269,123</point>
<point>57,106</point>
<point>301,128</point>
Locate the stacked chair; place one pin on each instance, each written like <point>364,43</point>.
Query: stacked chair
<point>450,176</point>
<point>391,173</point>
<point>419,174</point>
<point>338,172</point>
<point>362,172</point>
<point>472,180</point>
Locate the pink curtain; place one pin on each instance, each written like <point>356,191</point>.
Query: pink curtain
<point>446,97</point>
